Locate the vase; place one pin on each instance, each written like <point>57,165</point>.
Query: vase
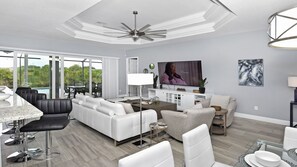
<point>202,90</point>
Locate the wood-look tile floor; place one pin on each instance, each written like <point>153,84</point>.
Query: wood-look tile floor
<point>81,146</point>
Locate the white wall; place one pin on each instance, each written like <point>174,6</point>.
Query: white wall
<point>220,62</point>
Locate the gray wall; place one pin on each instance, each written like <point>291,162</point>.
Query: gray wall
<point>220,62</point>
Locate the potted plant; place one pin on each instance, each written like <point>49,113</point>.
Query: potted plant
<point>202,84</point>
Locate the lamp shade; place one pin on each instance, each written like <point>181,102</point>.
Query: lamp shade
<point>292,82</point>
<point>283,29</point>
<point>140,79</point>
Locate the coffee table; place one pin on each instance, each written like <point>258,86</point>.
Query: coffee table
<point>157,106</point>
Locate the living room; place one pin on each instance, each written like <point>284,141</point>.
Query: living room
<point>47,29</point>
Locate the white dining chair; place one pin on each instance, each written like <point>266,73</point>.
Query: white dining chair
<point>159,155</point>
<point>290,138</point>
<point>198,149</point>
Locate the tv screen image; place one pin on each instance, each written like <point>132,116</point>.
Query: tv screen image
<point>186,73</point>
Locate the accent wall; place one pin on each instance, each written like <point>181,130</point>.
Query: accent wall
<point>220,57</point>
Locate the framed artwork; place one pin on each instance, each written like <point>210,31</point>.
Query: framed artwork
<point>251,72</point>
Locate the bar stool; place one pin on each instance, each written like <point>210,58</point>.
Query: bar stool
<point>15,138</point>
<point>56,113</point>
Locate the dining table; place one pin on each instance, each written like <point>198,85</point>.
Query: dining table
<point>288,156</point>
<point>15,108</point>
<point>75,89</point>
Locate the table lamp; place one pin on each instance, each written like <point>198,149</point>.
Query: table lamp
<point>140,79</point>
<point>292,82</point>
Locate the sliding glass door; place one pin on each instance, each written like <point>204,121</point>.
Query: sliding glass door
<point>43,73</point>
<point>77,75</point>
<point>35,71</point>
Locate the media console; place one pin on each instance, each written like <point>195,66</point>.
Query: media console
<point>182,99</point>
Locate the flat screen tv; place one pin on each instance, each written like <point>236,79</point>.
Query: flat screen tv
<point>186,73</point>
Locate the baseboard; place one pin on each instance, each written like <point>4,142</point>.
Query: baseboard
<point>264,119</point>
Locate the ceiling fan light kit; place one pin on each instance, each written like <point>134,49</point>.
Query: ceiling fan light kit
<point>142,33</point>
<point>282,29</point>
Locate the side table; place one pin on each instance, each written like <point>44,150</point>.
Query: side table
<point>292,103</point>
<point>221,122</point>
<point>155,129</point>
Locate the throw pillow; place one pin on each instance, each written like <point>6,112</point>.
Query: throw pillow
<point>127,107</point>
<point>219,100</point>
<point>118,109</point>
<point>217,108</point>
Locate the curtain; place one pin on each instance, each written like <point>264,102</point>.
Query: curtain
<point>110,77</point>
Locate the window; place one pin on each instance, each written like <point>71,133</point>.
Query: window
<point>6,68</point>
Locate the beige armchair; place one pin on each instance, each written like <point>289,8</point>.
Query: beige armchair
<point>225,102</point>
<point>181,122</point>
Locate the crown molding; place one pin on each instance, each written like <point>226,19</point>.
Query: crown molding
<point>214,17</point>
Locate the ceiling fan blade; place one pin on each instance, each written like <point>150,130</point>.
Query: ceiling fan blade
<point>144,27</point>
<point>156,35</point>
<point>156,32</point>
<point>125,36</point>
<point>146,38</point>
<point>127,27</point>
<point>123,32</point>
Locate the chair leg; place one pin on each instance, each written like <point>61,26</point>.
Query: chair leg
<point>22,155</point>
<point>16,140</point>
<point>48,143</point>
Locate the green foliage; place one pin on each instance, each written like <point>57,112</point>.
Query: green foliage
<point>202,83</point>
<point>6,77</point>
<point>40,76</point>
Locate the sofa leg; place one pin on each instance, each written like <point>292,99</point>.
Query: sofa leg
<point>115,143</point>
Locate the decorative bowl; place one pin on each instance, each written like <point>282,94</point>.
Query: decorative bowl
<point>4,96</point>
<point>2,88</point>
<point>266,158</point>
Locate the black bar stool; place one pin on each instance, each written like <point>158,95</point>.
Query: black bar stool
<point>56,117</point>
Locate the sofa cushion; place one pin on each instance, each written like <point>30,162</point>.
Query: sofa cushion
<point>77,101</point>
<point>81,97</point>
<point>127,107</point>
<point>219,100</point>
<point>196,107</point>
<point>95,101</point>
<point>118,109</point>
<point>89,105</point>
<point>106,111</point>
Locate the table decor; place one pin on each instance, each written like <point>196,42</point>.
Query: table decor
<point>267,158</point>
<point>4,96</point>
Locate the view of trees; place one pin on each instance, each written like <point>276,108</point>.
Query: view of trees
<point>6,77</point>
<point>74,75</point>
<point>40,76</point>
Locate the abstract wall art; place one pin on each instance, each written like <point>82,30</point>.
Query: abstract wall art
<point>251,72</point>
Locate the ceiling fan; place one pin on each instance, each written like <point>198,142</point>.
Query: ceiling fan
<point>142,33</point>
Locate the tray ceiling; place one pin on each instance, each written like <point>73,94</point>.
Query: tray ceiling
<point>179,18</point>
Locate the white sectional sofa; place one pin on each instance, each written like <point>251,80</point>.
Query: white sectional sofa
<point>110,118</point>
